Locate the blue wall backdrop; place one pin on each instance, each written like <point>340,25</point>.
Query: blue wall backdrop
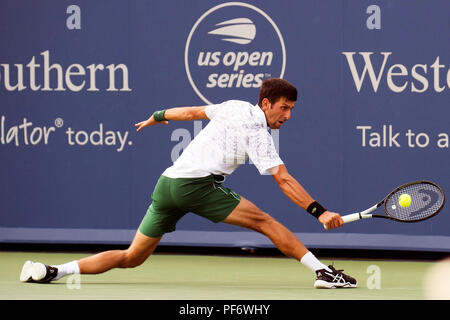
<point>373,112</point>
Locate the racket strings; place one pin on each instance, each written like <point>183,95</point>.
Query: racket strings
<point>426,200</point>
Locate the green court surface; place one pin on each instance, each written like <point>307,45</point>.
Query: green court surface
<point>202,277</point>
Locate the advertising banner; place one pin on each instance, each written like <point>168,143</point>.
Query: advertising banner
<point>372,113</point>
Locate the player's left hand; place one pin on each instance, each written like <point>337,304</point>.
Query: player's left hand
<point>149,122</point>
<point>331,220</point>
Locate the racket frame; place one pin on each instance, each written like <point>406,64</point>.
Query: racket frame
<point>367,213</point>
<point>387,216</point>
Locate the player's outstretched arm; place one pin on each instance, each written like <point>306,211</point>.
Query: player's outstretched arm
<point>294,191</point>
<point>175,114</point>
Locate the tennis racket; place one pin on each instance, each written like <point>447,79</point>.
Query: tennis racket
<point>427,199</point>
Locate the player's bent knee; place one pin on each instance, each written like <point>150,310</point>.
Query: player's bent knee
<point>263,222</point>
<point>132,260</point>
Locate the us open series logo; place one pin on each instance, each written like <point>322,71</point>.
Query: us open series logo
<point>230,50</point>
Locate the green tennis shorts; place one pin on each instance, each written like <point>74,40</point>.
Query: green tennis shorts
<point>173,198</point>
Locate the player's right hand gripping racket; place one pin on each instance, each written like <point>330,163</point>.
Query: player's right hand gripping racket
<point>427,199</point>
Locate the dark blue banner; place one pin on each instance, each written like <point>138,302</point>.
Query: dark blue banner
<point>373,112</point>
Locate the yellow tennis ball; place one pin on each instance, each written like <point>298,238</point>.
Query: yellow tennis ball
<point>404,200</point>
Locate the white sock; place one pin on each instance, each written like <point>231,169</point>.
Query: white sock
<point>66,269</point>
<point>310,261</point>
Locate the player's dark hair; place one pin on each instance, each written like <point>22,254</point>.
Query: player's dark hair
<point>274,89</point>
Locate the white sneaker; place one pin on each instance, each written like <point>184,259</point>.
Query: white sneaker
<point>25,275</point>
<point>37,272</point>
<point>334,279</point>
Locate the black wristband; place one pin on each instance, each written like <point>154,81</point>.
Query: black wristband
<point>315,209</point>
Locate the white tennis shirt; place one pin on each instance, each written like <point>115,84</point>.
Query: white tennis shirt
<point>237,131</point>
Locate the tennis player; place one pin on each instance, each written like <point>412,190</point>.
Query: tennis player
<point>237,131</point>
